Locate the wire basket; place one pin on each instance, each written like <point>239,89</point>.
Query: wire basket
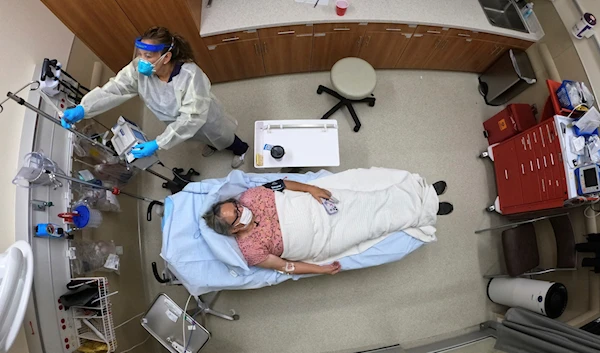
<point>102,320</point>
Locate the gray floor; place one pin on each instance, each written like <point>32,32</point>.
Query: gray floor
<point>424,122</point>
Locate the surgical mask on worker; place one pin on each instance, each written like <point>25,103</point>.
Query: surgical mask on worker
<point>246,216</point>
<point>147,68</point>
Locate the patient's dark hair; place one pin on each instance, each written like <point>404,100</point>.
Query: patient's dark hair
<point>214,221</point>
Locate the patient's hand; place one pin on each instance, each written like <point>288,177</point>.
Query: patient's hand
<point>319,193</point>
<point>331,269</point>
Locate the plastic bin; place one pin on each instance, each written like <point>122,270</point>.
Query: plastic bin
<point>507,123</point>
<point>563,96</point>
<point>552,106</point>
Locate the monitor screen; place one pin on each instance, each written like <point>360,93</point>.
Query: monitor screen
<point>138,135</point>
<point>590,176</point>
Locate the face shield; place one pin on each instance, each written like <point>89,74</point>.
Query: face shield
<point>147,54</point>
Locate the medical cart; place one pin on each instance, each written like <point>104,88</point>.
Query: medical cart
<point>535,171</point>
<point>307,143</point>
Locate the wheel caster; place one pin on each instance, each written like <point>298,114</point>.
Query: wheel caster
<point>356,128</point>
<point>484,154</point>
<point>483,89</point>
<point>371,104</point>
<point>234,316</point>
<point>491,208</point>
<point>319,91</point>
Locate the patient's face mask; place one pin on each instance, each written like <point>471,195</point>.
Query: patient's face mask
<point>246,216</point>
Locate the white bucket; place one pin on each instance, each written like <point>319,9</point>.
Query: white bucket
<point>95,218</point>
<point>86,217</point>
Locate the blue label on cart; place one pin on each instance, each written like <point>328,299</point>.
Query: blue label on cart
<point>267,147</point>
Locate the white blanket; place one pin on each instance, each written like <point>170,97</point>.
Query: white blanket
<point>373,203</point>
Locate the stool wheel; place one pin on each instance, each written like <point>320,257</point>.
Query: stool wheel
<point>319,90</point>
<point>356,128</point>
<point>236,317</point>
<point>371,104</point>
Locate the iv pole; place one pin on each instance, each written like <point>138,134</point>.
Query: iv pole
<point>175,185</point>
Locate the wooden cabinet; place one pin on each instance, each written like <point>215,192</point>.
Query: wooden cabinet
<point>417,51</point>
<point>277,50</point>
<point>286,49</point>
<point>230,37</point>
<point>391,27</point>
<point>463,33</point>
<point>452,53</point>
<point>333,42</point>
<point>102,26</point>
<point>270,51</point>
<point>470,60</point>
<point>484,55</point>
<point>383,49</point>
<point>285,31</point>
<point>124,20</point>
<point>328,48</point>
<point>431,30</point>
<point>339,27</point>
<point>283,55</point>
<point>518,43</point>
<point>237,60</point>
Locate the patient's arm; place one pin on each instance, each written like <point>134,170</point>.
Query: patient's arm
<point>301,268</point>
<point>315,191</point>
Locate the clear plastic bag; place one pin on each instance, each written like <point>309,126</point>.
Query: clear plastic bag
<point>89,256</point>
<point>117,174</point>
<point>100,199</point>
<point>589,122</point>
<point>573,94</point>
<point>84,148</point>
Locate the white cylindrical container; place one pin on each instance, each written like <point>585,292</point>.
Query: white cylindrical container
<point>85,216</point>
<point>584,27</point>
<point>546,298</point>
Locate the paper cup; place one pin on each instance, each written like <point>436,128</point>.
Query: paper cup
<point>341,6</point>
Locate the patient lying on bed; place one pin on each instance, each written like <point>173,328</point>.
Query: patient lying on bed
<point>284,226</point>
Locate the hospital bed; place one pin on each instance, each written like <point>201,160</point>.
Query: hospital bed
<point>203,261</point>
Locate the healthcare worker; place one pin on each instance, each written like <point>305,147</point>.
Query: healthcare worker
<point>175,89</point>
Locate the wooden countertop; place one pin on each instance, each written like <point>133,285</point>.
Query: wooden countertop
<point>225,16</point>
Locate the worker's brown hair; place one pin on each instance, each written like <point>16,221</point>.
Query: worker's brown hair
<point>181,52</point>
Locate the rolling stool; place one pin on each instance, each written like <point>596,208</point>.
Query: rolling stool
<point>354,81</point>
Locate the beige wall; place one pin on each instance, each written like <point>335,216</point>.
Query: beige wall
<point>30,32</point>
<point>587,49</point>
<point>563,52</point>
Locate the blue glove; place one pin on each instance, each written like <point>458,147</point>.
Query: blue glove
<point>145,149</point>
<point>71,116</point>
